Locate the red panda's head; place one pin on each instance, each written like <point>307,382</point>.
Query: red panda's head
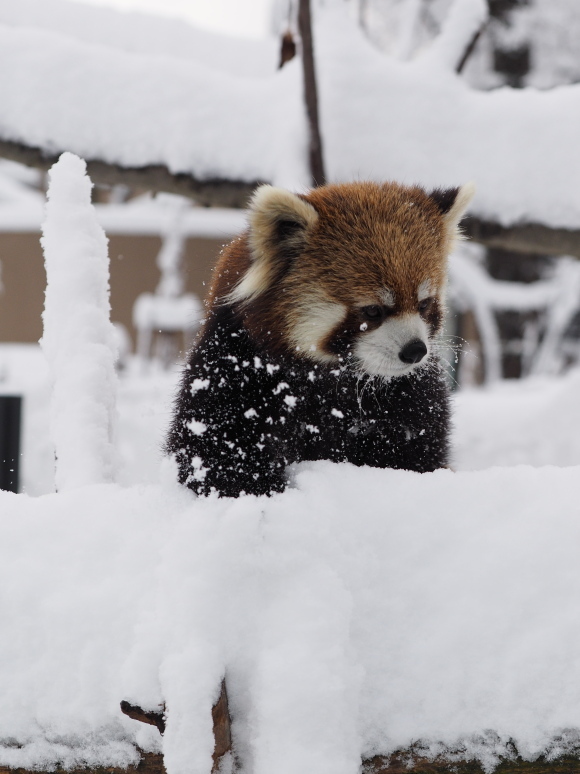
<point>351,272</point>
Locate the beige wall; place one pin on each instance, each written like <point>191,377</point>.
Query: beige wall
<point>133,271</point>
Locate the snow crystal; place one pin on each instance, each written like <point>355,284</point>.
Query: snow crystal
<point>197,428</point>
<point>199,384</point>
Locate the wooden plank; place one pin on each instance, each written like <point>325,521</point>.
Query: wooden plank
<point>406,762</point>
<point>150,763</point>
<point>222,732</point>
<point>212,192</point>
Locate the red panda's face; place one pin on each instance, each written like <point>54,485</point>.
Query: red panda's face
<point>350,273</point>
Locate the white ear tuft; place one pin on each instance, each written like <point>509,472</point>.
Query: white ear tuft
<point>270,204</point>
<point>453,216</point>
<point>279,221</point>
<point>462,201</point>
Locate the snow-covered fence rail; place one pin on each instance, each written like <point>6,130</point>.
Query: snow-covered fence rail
<point>381,119</point>
<point>555,300</point>
<point>344,632</point>
<point>526,237</point>
<point>215,192</point>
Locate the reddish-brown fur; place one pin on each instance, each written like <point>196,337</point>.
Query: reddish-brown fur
<point>368,237</point>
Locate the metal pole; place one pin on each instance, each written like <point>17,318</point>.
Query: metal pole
<point>310,93</point>
<point>10,420</point>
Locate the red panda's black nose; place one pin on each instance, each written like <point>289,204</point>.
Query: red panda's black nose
<point>413,352</point>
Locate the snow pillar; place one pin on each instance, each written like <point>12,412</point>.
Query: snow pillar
<point>79,338</point>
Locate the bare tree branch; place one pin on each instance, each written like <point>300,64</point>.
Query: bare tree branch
<point>470,48</point>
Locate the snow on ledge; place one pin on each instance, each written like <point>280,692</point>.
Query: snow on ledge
<point>354,614</point>
<point>382,118</point>
<point>144,33</point>
<point>418,122</point>
<point>137,110</point>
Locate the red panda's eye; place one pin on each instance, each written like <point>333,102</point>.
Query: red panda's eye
<point>425,304</point>
<point>374,312</point>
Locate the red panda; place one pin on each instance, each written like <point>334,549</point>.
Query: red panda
<point>319,339</point>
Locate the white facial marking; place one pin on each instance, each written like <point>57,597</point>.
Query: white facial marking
<point>254,282</point>
<point>387,297</point>
<point>425,290</point>
<point>313,325</point>
<point>377,352</point>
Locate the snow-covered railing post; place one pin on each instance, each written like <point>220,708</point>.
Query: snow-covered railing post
<point>555,301</point>
<point>169,312</point>
<point>79,338</point>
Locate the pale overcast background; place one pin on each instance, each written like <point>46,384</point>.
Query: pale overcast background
<point>246,18</point>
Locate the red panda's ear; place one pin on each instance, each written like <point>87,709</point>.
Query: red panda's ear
<point>452,203</point>
<point>279,224</point>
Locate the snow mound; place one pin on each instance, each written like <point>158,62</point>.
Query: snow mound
<point>354,614</point>
<point>141,33</point>
<point>532,422</point>
<point>136,110</point>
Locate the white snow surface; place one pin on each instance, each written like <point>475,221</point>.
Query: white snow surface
<point>358,612</point>
<point>143,33</point>
<point>418,122</point>
<point>382,118</point>
<point>532,422</point>
<point>79,339</point>
<point>137,109</point>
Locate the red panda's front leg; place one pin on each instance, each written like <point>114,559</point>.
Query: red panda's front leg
<point>226,433</point>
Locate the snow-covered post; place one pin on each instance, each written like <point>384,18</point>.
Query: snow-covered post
<point>79,338</point>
